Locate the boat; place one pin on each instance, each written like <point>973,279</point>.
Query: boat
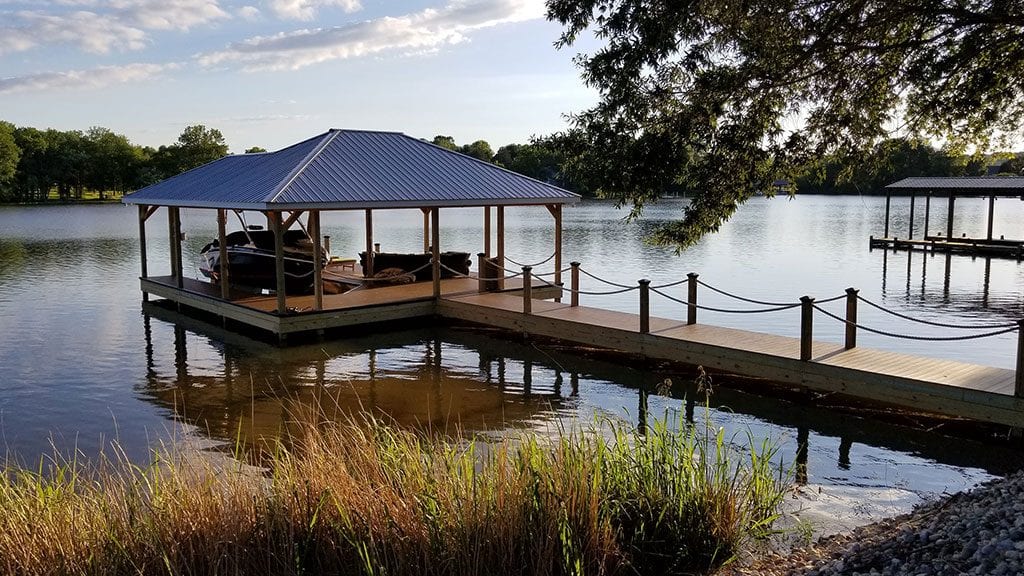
<point>251,260</point>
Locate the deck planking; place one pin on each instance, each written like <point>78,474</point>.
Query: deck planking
<point>947,387</point>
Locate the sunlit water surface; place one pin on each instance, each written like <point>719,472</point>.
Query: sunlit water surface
<point>81,365</point>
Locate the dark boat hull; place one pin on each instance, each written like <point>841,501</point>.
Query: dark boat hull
<point>252,264</point>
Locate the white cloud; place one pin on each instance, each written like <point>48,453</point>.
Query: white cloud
<point>419,32</point>
<point>79,79</point>
<point>306,9</point>
<point>250,13</point>
<point>116,24</point>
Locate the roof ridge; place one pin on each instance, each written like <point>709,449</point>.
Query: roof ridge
<point>331,135</point>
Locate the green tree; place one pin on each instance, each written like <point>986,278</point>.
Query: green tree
<point>255,150</point>
<point>445,142</point>
<point>34,178</point>
<point>113,161</point>
<point>10,153</point>
<point>727,97</point>
<point>480,150</point>
<point>199,145</point>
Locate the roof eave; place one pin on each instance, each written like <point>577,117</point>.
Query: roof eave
<point>265,206</point>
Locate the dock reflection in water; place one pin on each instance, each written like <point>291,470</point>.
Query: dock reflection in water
<point>471,382</point>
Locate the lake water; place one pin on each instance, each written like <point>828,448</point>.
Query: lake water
<point>81,365</point>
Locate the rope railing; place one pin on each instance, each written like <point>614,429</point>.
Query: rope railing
<point>544,261</point>
<point>742,299</point>
<point>1005,330</point>
<point>938,324</point>
<point>725,310</point>
<point>454,272</point>
<point>608,282</point>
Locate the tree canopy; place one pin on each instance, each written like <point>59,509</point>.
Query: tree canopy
<point>727,97</point>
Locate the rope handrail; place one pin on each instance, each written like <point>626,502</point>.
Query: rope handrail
<point>671,284</point>
<point>553,272</point>
<point>727,311</point>
<point>913,336</point>
<point>938,324</point>
<point>741,298</point>
<point>605,281</point>
<point>454,272</point>
<point>544,261</point>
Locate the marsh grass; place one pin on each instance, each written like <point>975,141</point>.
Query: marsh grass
<point>364,497</point>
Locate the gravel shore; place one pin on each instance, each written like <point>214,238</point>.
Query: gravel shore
<point>975,532</point>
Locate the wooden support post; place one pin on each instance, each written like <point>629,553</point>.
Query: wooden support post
<point>435,244</point>
<point>176,260</point>
<point>851,318</point>
<point>426,229</point>
<point>1018,388</point>
<point>144,266</point>
<point>913,198</point>
<point>806,326</point>
<point>481,272</point>
<point>949,217</point>
<point>222,254</point>
<point>527,289</point>
<point>691,298</point>
<point>991,213</point>
<point>574,298</point>
<point>278,228</point>
<point>500,210</point>
<point>487,231</point>
<point>888,201</point>
<point>927,212</point>
<point>556,212</point>
<point>313,227</point>
<point>645,306</point>
<point>368,269</point>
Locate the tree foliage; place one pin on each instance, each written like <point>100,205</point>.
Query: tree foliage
<point>9,156</point>
<point>726,97</point>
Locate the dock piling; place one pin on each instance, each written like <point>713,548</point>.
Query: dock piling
<point>645,306</point>
<point>691,298</point>
<point>574,299</point>
<point>851,318</point>
<point>527,289</point>
<point>806,326</point>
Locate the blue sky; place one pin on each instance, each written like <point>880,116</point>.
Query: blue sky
<point>272,72</point>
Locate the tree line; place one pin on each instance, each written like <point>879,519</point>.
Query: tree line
<point>39,165</point>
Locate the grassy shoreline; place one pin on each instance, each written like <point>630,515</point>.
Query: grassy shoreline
<point>367,498</point>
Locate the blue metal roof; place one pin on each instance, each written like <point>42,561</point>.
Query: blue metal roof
<point>349,169</point>
<point>963,185</point>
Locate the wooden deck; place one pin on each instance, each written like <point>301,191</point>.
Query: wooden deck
<point>926,384</point>
<point>995,247</point>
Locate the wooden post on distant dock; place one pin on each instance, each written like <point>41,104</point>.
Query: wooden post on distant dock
<point>368,270</point>
<point>222,254</point>
<point>645,306</point>
<point>927,212</point>
<point>991,213</point>
<point>691,298</point>
<point>527,289</point>
<point>949,217</point>
<point>574,299</point>
<point>144,214</point>
<point>1018,388</point>
<point>806,326</point>
<point>277,226</point>
<point>888,200</point>
<point>435,240</point>
<point>500,217</point>
<point>487,231</point>
<point>313,227</point>
<point>851,318</point>
<point>910,233</point>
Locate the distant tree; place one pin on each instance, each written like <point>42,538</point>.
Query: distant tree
<point>255,150</point>
<point>113,161</point>
<point>34,176</point>
<point>445,142</point>
<point>480,150</point>
<point>1013,166</point>
<point>68,161</point>
<point>10,153</point>
<point>199,145</point>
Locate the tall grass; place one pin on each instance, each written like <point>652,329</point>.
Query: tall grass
<point>368,498</point>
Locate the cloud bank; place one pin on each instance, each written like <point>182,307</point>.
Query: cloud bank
<point>83,79</point>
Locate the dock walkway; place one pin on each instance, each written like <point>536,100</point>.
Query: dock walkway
<point>931,385</point>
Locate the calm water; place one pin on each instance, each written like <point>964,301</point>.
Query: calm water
<point>81,365</point>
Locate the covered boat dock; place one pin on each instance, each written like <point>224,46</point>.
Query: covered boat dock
<point>990,187</point>
<point>344,170</point>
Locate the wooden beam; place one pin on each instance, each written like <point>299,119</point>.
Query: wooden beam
<point>501,246</point>
<point>313,227</point>
<point>222,221</point>
<point>991,213</point>
<point>368,269</point>
<point>949,216</point>
<point>927,212</point>
<point>144,213</point>
<point>174,236</point>
<point>487,232</point>
<point>435,233</point>
<point>426,229</point>
<point>277,226</point>
<point>291,219</point>
<point>556,211</point>
<point>888,200</point>
<point>913,197</point>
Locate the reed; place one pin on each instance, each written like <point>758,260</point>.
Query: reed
<point>364,497</point>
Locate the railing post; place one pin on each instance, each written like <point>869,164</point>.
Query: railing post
<point>527,289</point>
<point>645,306</point>
<point>574,299</point>
<point>327,243</point>
<point>691,298</point>
<point>806,326</point>
<point>481,274</point>
<point>851,318</point>
<point>1018,388</point>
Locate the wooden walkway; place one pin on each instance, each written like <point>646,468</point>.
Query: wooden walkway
<point>944,387</point>
<point>997,248</point>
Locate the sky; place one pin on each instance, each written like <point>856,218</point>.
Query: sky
<point>270,73</point>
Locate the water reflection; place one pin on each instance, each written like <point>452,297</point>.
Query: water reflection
<point>453,381</point>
